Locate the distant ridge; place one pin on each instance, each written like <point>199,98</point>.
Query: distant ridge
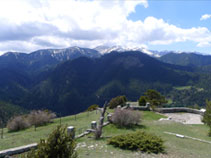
<point>186,59</point>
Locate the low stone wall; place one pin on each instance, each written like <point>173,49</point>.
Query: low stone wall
<point>142,108</point>
<point>169,110</point>
<point>17,150</point>
<point>179,109</point>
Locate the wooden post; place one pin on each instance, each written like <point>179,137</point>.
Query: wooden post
<point>60,119</point>
<point>2,128</point>
<point>2,132</point>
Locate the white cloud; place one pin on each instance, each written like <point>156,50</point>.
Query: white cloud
<point>27,25</point>
<point>205,16</point>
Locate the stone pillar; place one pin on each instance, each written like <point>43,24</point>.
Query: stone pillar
<point>93,125</point>
<point>109,118</point>
<point>71,131</point>
<point>148,105</point>
<point>119,107</point>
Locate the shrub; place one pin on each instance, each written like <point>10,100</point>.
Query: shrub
<point>142,101</point>
<point>93,107</point>
<point>125,118</point>
<point>155,98</point>
<point>58,145</point>
<point>119,100</point>
<point>39,118</point>
<point>139,140</point>
<point>18,123</point>
<point>207,116</point>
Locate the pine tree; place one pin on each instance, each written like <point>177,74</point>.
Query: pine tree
<point>207,116</point>
<point>58,145</point>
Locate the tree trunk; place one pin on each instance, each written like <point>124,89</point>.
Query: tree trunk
<point>98,131</point>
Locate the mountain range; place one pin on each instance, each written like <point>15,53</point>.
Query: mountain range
<point>69,80</point>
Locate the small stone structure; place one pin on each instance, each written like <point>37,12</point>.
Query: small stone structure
<point>134,106</point>
<point>93,125</point>
<point>109,118</point>
<point>71,131</point>
<point>179,109</point>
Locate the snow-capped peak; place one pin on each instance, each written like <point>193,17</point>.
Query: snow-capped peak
<point>106,49</point>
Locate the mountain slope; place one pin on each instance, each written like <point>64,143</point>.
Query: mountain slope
<point>186,59</point>
<point>74,85</point>
<point>43,59</point>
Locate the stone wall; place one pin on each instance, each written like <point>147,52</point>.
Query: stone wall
<point>179,109</point>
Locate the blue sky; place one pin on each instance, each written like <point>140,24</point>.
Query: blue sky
<point>181,13</point>
<point>184,14</point>
<point>180,25</point>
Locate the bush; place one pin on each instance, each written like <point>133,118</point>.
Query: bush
<point>39,118</point>
<point>207,116</point>
<point>140,140</point>
<point>114,102</point>
<point>142,101</point>
<point>93,107</point>
<point>58,145</point>
<point>18,123</point>
<point>155,98</point>
<point>125,118</point>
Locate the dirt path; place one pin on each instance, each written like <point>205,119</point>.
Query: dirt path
<point>185,118</point>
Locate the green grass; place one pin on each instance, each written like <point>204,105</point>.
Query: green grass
<point>183,88</point>
<point>200,89</point>
<point>151,116</point>
<point>175,147</point>
<point>28,136</point>
<point>170,101</point>
<point>90,148</point>
<point>188,88</point>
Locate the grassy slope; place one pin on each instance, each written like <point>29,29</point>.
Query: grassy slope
<point>89,148</point>
<point>24,137</point>
<point>175,147</point>
<point>183,88</point>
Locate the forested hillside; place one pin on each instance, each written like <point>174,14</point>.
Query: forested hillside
<point>70,86</point>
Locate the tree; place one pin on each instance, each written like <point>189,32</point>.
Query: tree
<point>119,100</point>
<point>142,101</point>
<point>207,116</point>
<point>93,107</point>
<point>154,98</point>
<point>58,145</point>
<point>98,130</point>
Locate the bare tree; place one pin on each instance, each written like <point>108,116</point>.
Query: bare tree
<point>98,131</point>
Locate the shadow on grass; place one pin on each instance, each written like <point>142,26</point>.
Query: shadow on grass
<point>133,127</point>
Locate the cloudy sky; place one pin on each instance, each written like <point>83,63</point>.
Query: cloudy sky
<point>28,25</point>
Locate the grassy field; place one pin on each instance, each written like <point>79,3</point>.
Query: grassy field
<point>28,136</point>
<point>188,88</point>
<point>175,147</point>
<point>183,88</point>
<point>89,148</point>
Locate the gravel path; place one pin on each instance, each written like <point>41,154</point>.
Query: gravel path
<point>185,118</point>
